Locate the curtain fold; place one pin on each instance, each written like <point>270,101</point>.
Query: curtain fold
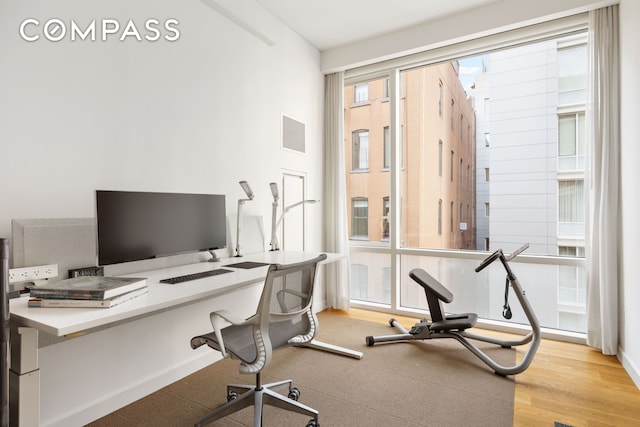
<point>335,189</point>
<point>603,181</point>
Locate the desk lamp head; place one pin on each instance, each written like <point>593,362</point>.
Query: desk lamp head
<point>247,189</point>
<point>274,192</point>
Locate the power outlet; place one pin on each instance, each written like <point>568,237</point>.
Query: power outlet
<point>40,272</point>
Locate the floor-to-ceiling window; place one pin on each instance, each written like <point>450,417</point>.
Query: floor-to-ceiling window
<point>446,141</point>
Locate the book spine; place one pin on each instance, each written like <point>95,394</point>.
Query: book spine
<point>85,295</point>
<point>55,302</point>
<point>69,303</point>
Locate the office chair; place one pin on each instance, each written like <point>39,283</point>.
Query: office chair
<point>454,326</point>
<point>283,318</point>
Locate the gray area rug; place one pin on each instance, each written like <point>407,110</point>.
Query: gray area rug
<point>427,383</point>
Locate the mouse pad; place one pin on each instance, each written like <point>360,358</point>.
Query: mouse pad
<point>247,264</point>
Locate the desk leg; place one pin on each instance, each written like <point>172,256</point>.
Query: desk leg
<point>319,345</point>
<point>24,378</point>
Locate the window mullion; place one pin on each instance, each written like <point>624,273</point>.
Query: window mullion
<point>395,226</point>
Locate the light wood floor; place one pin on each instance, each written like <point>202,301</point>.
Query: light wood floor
<point>567,383</point>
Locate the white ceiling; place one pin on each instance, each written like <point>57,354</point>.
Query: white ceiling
<point>330,23</point>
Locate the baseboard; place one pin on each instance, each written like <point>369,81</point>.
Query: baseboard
<point>630,367</point>
<point>136,391</point>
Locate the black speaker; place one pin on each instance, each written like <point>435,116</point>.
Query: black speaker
<point>4,302</point>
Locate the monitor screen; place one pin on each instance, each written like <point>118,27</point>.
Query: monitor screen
<point>134,226</point>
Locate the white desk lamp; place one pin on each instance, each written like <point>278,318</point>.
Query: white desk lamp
<point>274,213</point>
<point>274,224</point>
<point>249,193</point>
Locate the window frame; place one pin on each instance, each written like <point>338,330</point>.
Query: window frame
<point>492,42</point>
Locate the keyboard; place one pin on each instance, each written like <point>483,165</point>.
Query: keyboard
<point>194,276</point>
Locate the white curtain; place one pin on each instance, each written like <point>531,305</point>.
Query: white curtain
<point>603,181</point>
<point>335,193</point>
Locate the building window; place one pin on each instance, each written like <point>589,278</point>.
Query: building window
<point>385,218</point>
<point>486,209</point>
<point>386,285</point>
<point>440,158</point>
<point>387,148</point>
<point>571,141</point>
<point>453,114</point>
<point>452,157</point>
<point>486,139</point>
<point>572,73</point>
<point>360,151</point>
<point>440,217</point>
<point>361,93</point>
<point>401,144</point>
<point>571,208</point>
<point>571,251</point>
<point>451,218</point>
<point>359,218</point>
<point>440,95</point>
<point>486,174</point>
<point>386,88</point>
<point>359,282</point>
<point>572,294</point>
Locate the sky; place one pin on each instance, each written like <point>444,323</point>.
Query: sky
<point>470,68</point>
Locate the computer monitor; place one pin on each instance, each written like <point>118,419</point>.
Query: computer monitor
<point>134,226</point>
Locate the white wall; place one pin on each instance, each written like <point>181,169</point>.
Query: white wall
<point>630,198</point>
<point>195,115</point>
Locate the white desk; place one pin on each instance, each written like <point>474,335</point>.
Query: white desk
<point>161,300</point>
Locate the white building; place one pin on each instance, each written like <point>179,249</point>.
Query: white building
<point>530,108</point>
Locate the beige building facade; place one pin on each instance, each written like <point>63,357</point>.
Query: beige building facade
<point>437,160</point>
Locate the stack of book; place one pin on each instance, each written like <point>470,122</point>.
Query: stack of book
<point>88,291</point>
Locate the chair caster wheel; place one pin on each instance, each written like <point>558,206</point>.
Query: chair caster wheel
<point>294,394</point>
<point>313,423</point>
<point>232,395</point>
<point>370,341</point>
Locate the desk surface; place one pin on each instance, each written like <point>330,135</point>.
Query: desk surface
<point>161,296</point>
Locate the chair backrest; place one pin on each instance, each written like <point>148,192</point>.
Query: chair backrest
<point>288,291</point>
<point>284,315</point>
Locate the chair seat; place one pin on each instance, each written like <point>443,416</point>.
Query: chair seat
<point>238,339</point>
<point>457,322</point>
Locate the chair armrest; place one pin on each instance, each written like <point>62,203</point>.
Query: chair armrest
<point>218,320</point>
<point>230,317</point>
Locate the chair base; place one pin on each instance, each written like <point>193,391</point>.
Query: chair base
<point>242,396</point>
